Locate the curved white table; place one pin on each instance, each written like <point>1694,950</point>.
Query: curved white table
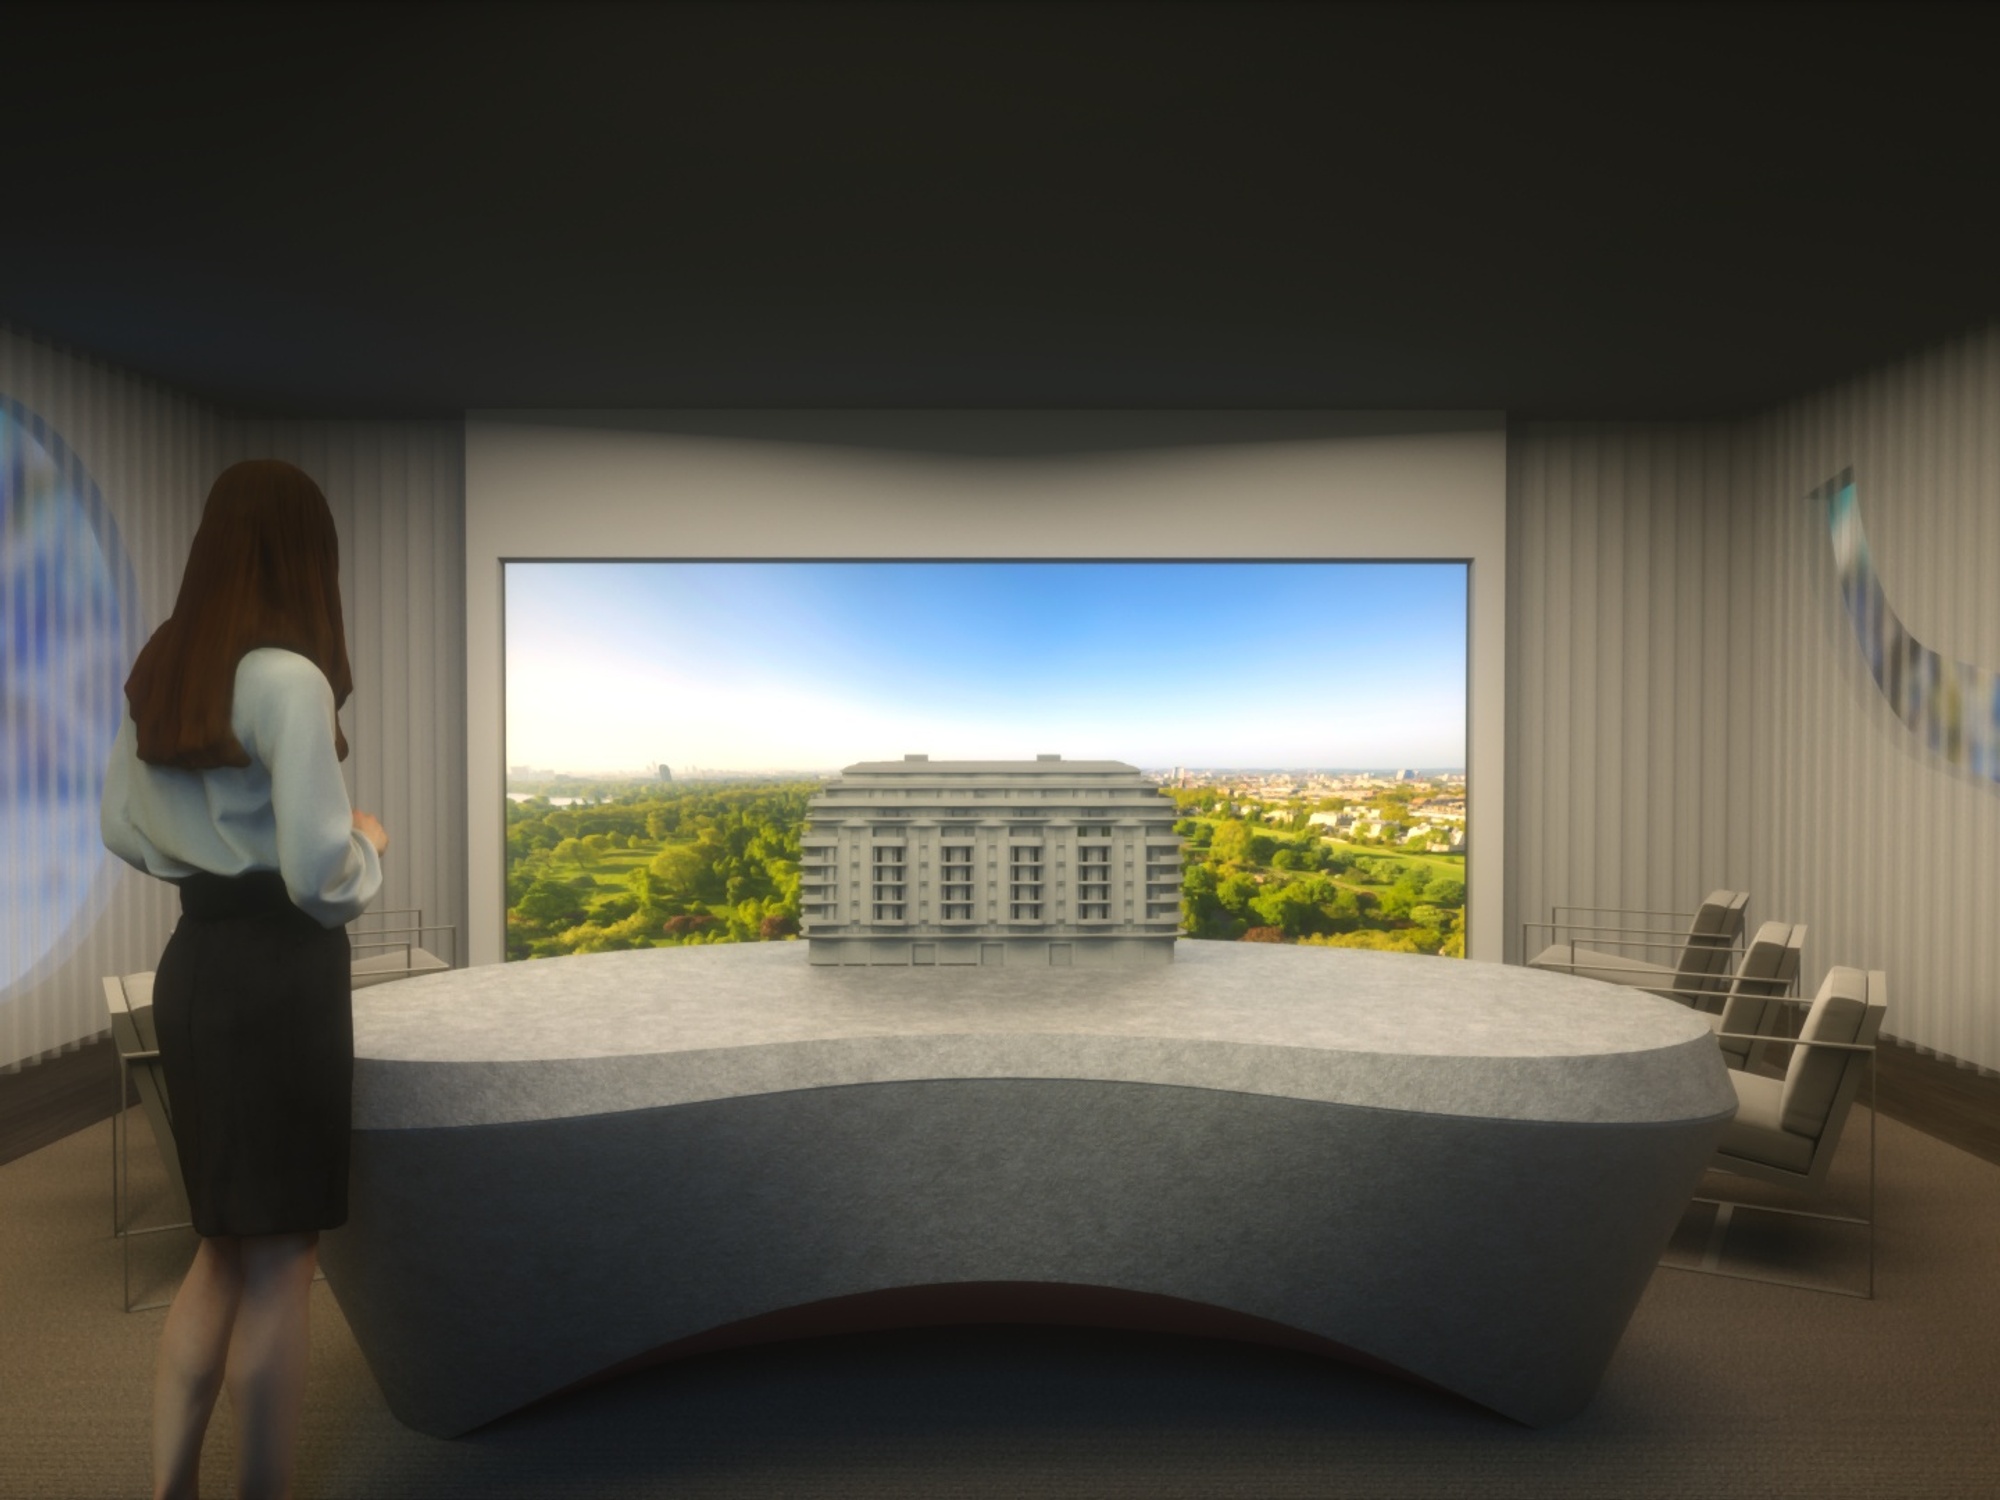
<point>1456,1170</point>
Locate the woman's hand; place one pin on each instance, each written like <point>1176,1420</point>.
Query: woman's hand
<point>373,831</point>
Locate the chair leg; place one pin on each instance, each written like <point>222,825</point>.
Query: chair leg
<point>1725,1208</point>
<point>1872,1113</point>
<point>1725,1211</point>
<point>1711,1254</point>
<point>117,1123</point>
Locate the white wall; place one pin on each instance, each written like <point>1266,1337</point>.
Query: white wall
<point>396,491</point>
<point>1690,709</point>
<point>991,484</point>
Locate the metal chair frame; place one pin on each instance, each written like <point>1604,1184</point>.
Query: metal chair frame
<point>1711,1260</point>
<point>121,1144</point>
<point>407,936</point>
<point>1670,942</point>
<point>1684,918</point>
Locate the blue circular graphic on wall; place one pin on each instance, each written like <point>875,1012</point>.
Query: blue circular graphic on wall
<point>67,606</point>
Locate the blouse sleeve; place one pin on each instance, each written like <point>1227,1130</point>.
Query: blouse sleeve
<point>285,720</point>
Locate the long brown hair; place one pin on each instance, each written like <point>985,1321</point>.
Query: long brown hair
<point>264,571</point>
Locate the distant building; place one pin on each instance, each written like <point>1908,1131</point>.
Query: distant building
<point>665,773</point>
<point>966,862</point>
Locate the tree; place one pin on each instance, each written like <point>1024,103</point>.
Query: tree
<point>630,932</point>
<point>677,868</point>
<point>1385,942</point>
<point>1202,914</point>
<point>1230,844</point>
<point>1343,912</point>
<point>1235,891</point>
<point>728,855</point>
<point>1445,890</point>
<point>552,905</point>
<point>645,891</point>
<point>1299,906</point>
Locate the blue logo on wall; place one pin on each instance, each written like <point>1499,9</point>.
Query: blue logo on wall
<point>1952,706</point>
<point>67,605</point>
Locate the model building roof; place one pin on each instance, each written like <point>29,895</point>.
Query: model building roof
<point>914,765</point>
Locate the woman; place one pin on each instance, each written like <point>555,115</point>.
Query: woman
<point>226,781</point>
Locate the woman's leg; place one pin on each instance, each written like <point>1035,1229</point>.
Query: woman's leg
<point>267,1359</point>
<point>193,1352</point>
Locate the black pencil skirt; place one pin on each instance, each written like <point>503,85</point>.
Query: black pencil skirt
<point>253,1003</point>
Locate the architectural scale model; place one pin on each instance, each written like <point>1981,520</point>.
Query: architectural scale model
<point>1044,861</point>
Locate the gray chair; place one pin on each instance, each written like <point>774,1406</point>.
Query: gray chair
<point>1699,974</point>
<point>1759,992</point>
<point>388,944</point>
<point>129,1000</point>
<point>1787,1129</point>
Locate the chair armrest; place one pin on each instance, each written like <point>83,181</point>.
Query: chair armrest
<point>1626,911</point>
<point>405,937</point>
<point>1670,938</point>
<point>1795,1041</point>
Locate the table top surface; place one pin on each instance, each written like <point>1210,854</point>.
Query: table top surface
<point>590,1034</point>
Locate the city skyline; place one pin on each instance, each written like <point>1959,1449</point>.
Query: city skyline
<point>735,667</point>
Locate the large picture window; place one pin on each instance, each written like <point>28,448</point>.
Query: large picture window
<point>666,723</point>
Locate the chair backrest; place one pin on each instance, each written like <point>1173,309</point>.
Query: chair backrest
<point>1821,1082</point>
<point>1770,965</point>
<point>1704,962</point>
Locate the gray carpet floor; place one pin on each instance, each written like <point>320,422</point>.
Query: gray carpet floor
<point>1720,1388</point>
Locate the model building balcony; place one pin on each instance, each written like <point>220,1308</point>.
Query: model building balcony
<point>1006,877</point>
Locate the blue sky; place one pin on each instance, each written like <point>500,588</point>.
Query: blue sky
<point>814,665</point>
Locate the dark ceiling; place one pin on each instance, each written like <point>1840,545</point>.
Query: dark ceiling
<point>1574,211</point>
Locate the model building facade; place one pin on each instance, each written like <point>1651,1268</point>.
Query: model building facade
<point>1041,862</point>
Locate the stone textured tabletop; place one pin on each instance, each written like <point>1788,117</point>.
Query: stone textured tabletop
<point>622,1031</point>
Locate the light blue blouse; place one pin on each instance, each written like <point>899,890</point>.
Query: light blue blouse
<point>285,811</point>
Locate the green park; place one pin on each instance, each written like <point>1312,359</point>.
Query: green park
<point>594,867</point>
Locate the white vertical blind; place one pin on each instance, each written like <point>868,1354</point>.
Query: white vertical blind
<point>397,490</point>
<point>150,451</point>
<point>1891,851</point>
<point>1630,750</point>
<point>1689,708</point>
